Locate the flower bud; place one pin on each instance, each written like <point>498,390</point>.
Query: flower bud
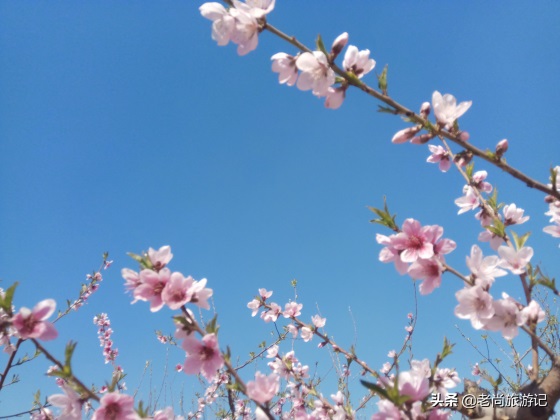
<point>338,44</point>
<point>422,139</point>
<point>464,136</point>
<point>501,148</point>
<point>425,110</point>
<point>404,135</point>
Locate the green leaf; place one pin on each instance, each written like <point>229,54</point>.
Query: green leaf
<point>68,352</point>
<point>469,170</point>
<point>321,45</point>
<point>491,154</point>
<point>553,177</point>
<point>520,241</point>
<point>382,80</point>
<point>386,110</point>
<point>375,388</point>
<point>142,412</point>
<point>211,327</point>
<point>134,256</point>
<point>385,218</point>
<point>6,302</point>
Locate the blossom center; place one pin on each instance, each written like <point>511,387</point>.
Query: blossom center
<point>206,353</point>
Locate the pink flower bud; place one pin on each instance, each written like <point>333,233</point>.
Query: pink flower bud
<point>422,139</point>
<point>425,110</point>
<point>404,135</point>
<point>339,43</point>
<point>464,136</point>
<point>501,148</point>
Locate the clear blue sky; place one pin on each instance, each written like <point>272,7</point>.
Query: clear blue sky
<point>123,126</point>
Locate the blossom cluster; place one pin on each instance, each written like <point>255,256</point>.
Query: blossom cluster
<point>476,303</point>
<point>316,73</point>
<point>419,251</point>
<point>104,333</point>
<point>160,286</point>
<point>243,21</point>
<point>239,24</point>
<point>291,310</point>
<point>554,208</point>
<point>417,384</point>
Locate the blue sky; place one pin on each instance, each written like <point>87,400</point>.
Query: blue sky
<point>123,126</point>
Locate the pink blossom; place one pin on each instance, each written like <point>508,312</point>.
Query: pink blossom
<point>444,379</point>
<point>165,414</point>
<point>553,230</point>
<point>306,334</point>
<point>429,271</point>
<point>507,317</point>
<point>272,352</point>
<point>161,257</point>
<point>151,287</point>
<point>514,215</point>
<point>261,7</point>
<point>414,384</point>
<point>413,242</point>
<point>254,305</point>
<point>115,406</point>
<point>357,62</point>
<point>285,65</point>
<point>554,211</point>
<point>387,411</point>
<point>390,254</point>
<point>422,366</point>
<point>265,294</point>
<point>484,269</point>
<point>318,321</point>
<point>272,314</point>
<point>316,73</point>
<point>446,109</point>
<point>199,294</point>
<point>42,414</point>
<point>478,181</point>
<point>264,387</point>
<point>386,368</point>
<point>32,323</point>
<point>439,154</point>
<point>335,97</point>
<point>513,260</point>
<point>469,201</point>
<point>247,27</point>
<point>485,218</point>
<point>476,370</point>
<point>440,414</point>
<point>495,240</point>
<point>532,313</point>
<point>292,309</point>
<point>292,329</point>
<point>441,246</point>
<point>132,279</point>
<point>202,356</point>
<point>69,403</point>
<point>223,24</point>
<point>475,304</point>
<point>175,293</point>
